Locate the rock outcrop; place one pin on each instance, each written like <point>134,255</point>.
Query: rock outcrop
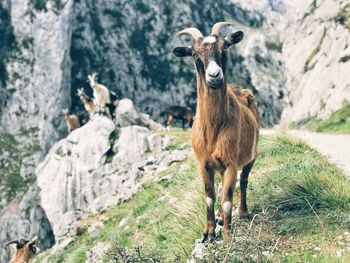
<point>130,43</point>
<point>316,54</point>
<point>57,43</point>
<point>94,167</point>
<point>38,69</point>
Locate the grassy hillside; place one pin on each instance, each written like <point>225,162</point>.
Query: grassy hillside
<point>300,207</point>
<point>338,122</point>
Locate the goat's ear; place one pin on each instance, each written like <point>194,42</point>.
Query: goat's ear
<point>181,52</point>
<point>233,39</point>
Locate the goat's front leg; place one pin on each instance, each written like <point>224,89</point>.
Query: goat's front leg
<point>228,187</point>
<point>207,174</point>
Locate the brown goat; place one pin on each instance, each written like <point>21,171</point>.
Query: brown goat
<point>24,250</point>
<point>178,112</point>
<point>89,104</point>
<point>72,120</point>
<point>225,131</point>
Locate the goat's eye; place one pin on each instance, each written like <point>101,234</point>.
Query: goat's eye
<point>33,249</point>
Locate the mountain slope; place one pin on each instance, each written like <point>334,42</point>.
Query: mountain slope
<point>298,211</point>
<point>316,53</point>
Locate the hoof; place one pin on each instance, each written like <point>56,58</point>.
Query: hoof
<point>203,238</point>
<point>211,239</point>
<point>207,238</point>
<point>244,216</point>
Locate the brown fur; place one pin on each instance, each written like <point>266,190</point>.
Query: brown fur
<point>224,135</point>
<point>89,104</point>
<point>72,121</point>
<point>24,250</point>
<point>184,114</point>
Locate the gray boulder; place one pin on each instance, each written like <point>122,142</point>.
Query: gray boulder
<point>127,114</point>
<point>96,166</point>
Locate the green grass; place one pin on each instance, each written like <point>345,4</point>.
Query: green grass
<point>10,179</point>
<point>299,202</point>
<point>12,153</point>
<point>338,122</point>
<point>314,52</point>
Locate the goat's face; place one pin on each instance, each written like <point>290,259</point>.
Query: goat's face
<point>80,92</point>
<point>92,79</point>
<point>25,248</point>
<point>210,54</point>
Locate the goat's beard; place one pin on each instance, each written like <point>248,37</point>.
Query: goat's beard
<point>215,84</point>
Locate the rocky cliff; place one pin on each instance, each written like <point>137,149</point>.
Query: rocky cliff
<point>316,54</point>
<point>95,166</point>
<point>56,43</point>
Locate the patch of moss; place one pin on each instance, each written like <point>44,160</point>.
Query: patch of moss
<point>343,16</point>
<point>12,153</point>
<point>10,164</point>
<point>277,46</point>
<point>109,156</point>
<point>314,52</point>
<point>27,132</point>
<point>312,8</point>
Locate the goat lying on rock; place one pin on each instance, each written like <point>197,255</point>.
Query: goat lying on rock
<point>225,131</point>
<point>24,250</point>
<point>72,120</point>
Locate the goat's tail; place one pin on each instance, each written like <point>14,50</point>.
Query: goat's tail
<point>251,102</point>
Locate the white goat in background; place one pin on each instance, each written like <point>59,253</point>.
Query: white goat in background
<point>102,96</point>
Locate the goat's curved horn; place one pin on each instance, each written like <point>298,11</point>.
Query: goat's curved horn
<point>34,239</point>
<point>219,26</point>
<point>194,32</point>
<point>11,242</point>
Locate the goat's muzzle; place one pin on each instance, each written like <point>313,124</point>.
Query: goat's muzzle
<point>214,75</point>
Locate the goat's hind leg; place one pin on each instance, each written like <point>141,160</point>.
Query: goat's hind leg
<point>243,208</point>
<point>207,174</point>
<point>219,217</point>
<point>169,121</point>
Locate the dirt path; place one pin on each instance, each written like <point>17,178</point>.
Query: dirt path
<point>335,147</point>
